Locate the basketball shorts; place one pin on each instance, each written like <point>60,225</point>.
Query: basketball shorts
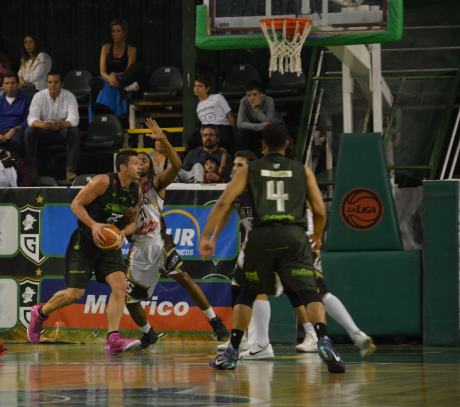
<point>320,283</point>
<point>281,248</point>
<point>145,260</point>
<point>83,258</point>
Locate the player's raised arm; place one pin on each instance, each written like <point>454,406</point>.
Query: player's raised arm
<point>233,190</point>
<point>170,174</point>
<point>95,188</point>
<point>317,205</point>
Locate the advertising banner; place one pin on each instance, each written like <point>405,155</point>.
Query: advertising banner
<point>35,228</point>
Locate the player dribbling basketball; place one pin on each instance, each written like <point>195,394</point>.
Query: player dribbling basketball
<point>100,203</point>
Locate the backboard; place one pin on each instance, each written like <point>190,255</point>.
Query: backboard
<point>235,23</point>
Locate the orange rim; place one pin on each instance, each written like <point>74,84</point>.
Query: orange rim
<point>291,24</point>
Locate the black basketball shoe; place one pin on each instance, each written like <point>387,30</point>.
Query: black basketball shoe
<point>219,328</point>
<point>148,339</point>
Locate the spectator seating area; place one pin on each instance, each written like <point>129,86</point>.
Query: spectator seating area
<point>162,101</point>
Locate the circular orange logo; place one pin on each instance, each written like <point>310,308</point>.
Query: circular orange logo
<point>361,209</point>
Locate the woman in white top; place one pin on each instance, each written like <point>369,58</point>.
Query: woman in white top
<point>213,109</point>
<point>35,65</point>
<point>158,154</point>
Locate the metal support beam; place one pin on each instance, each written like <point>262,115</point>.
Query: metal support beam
<point>358,59</point>
<point>347,91</point>
<point>376,88</point>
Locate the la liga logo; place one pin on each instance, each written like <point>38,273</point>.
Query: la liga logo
<point>361,209</point>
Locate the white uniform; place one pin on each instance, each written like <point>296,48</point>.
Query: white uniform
<point>146,257</point>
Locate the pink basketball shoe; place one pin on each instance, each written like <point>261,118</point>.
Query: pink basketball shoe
<point>35,325</point>
<point>116,344</point>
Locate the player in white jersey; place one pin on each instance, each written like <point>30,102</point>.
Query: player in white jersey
<point>153,249</point>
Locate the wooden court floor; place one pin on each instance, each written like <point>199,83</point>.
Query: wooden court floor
<point>177,374</point>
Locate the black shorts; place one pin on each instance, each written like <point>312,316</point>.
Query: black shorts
<point>320,283</point>
<point>83,258</point>
<point>284,249</point>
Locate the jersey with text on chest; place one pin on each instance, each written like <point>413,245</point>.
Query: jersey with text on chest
<point>150,213</point>
<point>110,207</point>
<point>277,186</point>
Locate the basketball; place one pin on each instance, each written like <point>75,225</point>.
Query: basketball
<point>113,236</point>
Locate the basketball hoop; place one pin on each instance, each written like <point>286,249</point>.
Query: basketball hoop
<point>285,52</point>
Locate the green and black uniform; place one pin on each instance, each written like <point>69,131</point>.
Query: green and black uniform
<point>83,256</point>
<point>278,242</point>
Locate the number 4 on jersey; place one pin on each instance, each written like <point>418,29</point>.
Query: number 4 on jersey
<point>279,196</point>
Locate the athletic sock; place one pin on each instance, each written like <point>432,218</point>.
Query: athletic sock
<point>321,330</point>
<point>41,313</point>
<point>261,315</point>
<point>337,310</point>
<point>110,333</point>
<point>210,313</point>
<point>235,338</point>
<point>308,327</point>
<point>146,328</point>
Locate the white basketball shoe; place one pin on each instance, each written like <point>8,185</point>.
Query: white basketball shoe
<point>255,352</point>
<point>244,345</point>
<point>309,344</point>
<point>365,344</point>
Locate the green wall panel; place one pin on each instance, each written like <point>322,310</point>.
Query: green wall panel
<point>441,263</point>
<point>282,322</point>
<point>381,290</point>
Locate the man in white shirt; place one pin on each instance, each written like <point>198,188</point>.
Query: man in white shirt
<point>53,119</point>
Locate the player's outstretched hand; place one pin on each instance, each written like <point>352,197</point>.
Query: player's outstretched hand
<point>131,214</point>
<point>207,248</point>
<point>157,133</point>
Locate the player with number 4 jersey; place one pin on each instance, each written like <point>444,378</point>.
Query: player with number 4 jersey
<point>277,245</point>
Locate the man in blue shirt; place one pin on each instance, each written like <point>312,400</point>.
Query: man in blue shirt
<point>14,109</point>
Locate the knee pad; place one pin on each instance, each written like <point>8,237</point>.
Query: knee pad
<point>246,297</point>
<point>294,298</point>
<point>308,296</point>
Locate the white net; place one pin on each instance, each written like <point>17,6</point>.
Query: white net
<point>285,52</point>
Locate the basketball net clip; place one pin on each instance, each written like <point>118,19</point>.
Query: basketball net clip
<point>285,52</point>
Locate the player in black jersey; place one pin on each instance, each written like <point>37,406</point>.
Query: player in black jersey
<point>279,188</point>
<point>103,201</point>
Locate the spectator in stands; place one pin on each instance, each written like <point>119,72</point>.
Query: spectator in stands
<point>209,138</point>
<point>119,70</point>
<point>53,119</point>
<point>213,169</point>
<point>13,172</point>
<point>4,65</point>
<point>158,155</point>
<point>35,65</point>
<point>14,109</point>
<point>213,109</point>
<point>256,112</point>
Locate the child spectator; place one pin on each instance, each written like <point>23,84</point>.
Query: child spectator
<point>213,170</point>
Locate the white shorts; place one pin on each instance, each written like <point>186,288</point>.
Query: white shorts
<point>145,260</point>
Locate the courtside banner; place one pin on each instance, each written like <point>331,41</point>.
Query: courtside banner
<point>185,223</point>
<point>169,309</point>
